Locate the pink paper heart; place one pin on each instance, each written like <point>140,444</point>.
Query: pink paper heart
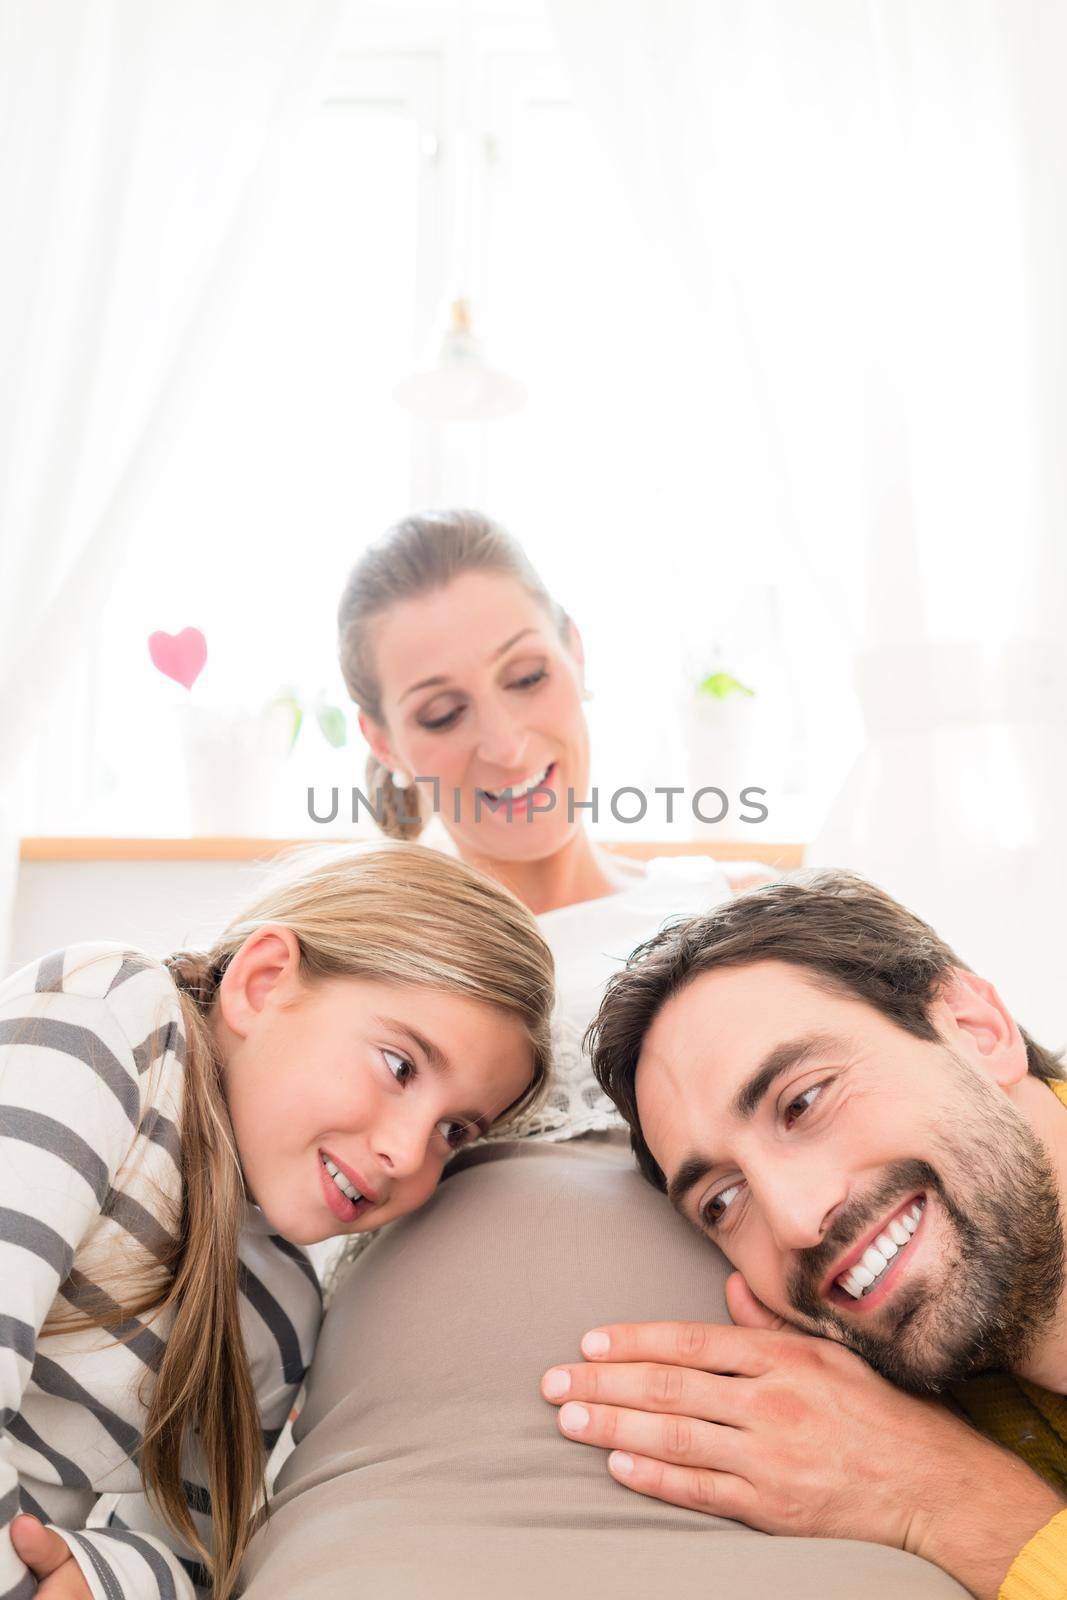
<point>180,656</point>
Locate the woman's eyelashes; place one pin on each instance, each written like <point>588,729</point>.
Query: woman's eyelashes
<point>449,718</point>
<point>529,680</point>
<point>435,724</point>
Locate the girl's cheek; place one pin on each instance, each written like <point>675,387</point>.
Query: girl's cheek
<point>415,1198</point>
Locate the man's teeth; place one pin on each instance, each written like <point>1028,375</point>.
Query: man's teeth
<point>518,789</point>
<point>868,1270</point>
<point>349,1190</point>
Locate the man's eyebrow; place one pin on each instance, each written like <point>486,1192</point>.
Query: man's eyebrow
<point>747,1101</point>
<point>432,683</point>
<point>437,1061</point>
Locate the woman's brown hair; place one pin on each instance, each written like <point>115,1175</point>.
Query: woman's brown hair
<point>396,913</point>
<point>847,935</point>
<point>417,556</point>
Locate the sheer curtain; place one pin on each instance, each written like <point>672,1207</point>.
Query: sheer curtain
<point>140,144</point>
<point>860,218</point>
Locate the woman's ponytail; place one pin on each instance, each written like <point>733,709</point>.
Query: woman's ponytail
<point>399,808</point>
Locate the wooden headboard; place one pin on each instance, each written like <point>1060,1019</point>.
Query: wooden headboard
<point>782,856</point>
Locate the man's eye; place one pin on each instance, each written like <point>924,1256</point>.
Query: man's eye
<point>402,1069</point>
<point>802,1102</point>
<point>714,1210</point>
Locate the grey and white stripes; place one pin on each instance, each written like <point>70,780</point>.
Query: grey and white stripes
<point>92,1057</point>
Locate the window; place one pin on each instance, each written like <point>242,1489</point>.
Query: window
<point>449,156</point>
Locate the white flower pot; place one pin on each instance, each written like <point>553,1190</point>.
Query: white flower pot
<point>234,763</point>
<point>721,746</point>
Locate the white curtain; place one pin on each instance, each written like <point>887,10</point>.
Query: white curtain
<point>859,211</point>
<point>140,142</point>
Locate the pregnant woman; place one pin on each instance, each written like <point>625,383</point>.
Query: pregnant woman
<point>427,1464</point>
<point>468,672</point>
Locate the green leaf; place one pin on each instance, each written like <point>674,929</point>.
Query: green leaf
<point>721,684</point>
<point>332,722</point>
<point>289,706</point>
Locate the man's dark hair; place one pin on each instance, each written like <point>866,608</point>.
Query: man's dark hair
<point>848,936</point>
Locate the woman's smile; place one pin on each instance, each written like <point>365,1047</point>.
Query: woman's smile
<point>515,799</point>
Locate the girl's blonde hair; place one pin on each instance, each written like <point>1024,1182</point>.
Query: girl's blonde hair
<point>395,913</point>
<point>422,553</point>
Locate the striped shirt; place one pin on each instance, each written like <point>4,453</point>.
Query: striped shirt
<point>92,1053</point>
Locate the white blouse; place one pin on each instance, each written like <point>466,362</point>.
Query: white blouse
<point>590,941</point>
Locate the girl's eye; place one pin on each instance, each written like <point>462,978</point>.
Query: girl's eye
<point>710,1216</point>
<point>402,1069</point>
<point>456,1134</point>
<point>802,1101</point>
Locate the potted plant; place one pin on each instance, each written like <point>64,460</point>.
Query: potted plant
<point>235,755</point>
<point>720,729</point>
<point>292,708</point>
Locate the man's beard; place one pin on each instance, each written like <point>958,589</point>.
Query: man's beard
<point>997,1286</point>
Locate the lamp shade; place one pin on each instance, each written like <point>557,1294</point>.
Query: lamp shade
<point>460,387</point>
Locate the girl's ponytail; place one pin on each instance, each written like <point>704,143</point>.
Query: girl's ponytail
<point>204,1386</point>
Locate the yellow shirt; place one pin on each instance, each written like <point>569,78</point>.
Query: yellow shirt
<point>1031,1422</point>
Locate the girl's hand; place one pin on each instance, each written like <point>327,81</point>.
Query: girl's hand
<point>48,1557</point>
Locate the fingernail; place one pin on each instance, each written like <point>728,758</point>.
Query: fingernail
<point>574,1417</point>
<point>619,1461</point>
<point>596,1344</point>
<point>555,1384</point>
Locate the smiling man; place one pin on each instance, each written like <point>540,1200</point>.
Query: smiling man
<point>855,1119</point>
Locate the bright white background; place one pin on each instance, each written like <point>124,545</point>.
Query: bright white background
<point>448,156</point>
<point>785,285</point>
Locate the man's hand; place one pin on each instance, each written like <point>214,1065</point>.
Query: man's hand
<point>48,1557</point>
<point>797,1435</point>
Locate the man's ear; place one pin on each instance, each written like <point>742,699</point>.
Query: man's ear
<point>969,1012</point>
<point>378,740</point>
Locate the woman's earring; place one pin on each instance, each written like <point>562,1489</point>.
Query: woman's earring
<point>587,694</point>
<point>400,779</point>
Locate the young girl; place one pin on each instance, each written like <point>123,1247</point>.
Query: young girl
<point>170,1134</point>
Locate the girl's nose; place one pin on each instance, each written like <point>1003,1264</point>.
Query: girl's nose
<point>400,1143</point>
